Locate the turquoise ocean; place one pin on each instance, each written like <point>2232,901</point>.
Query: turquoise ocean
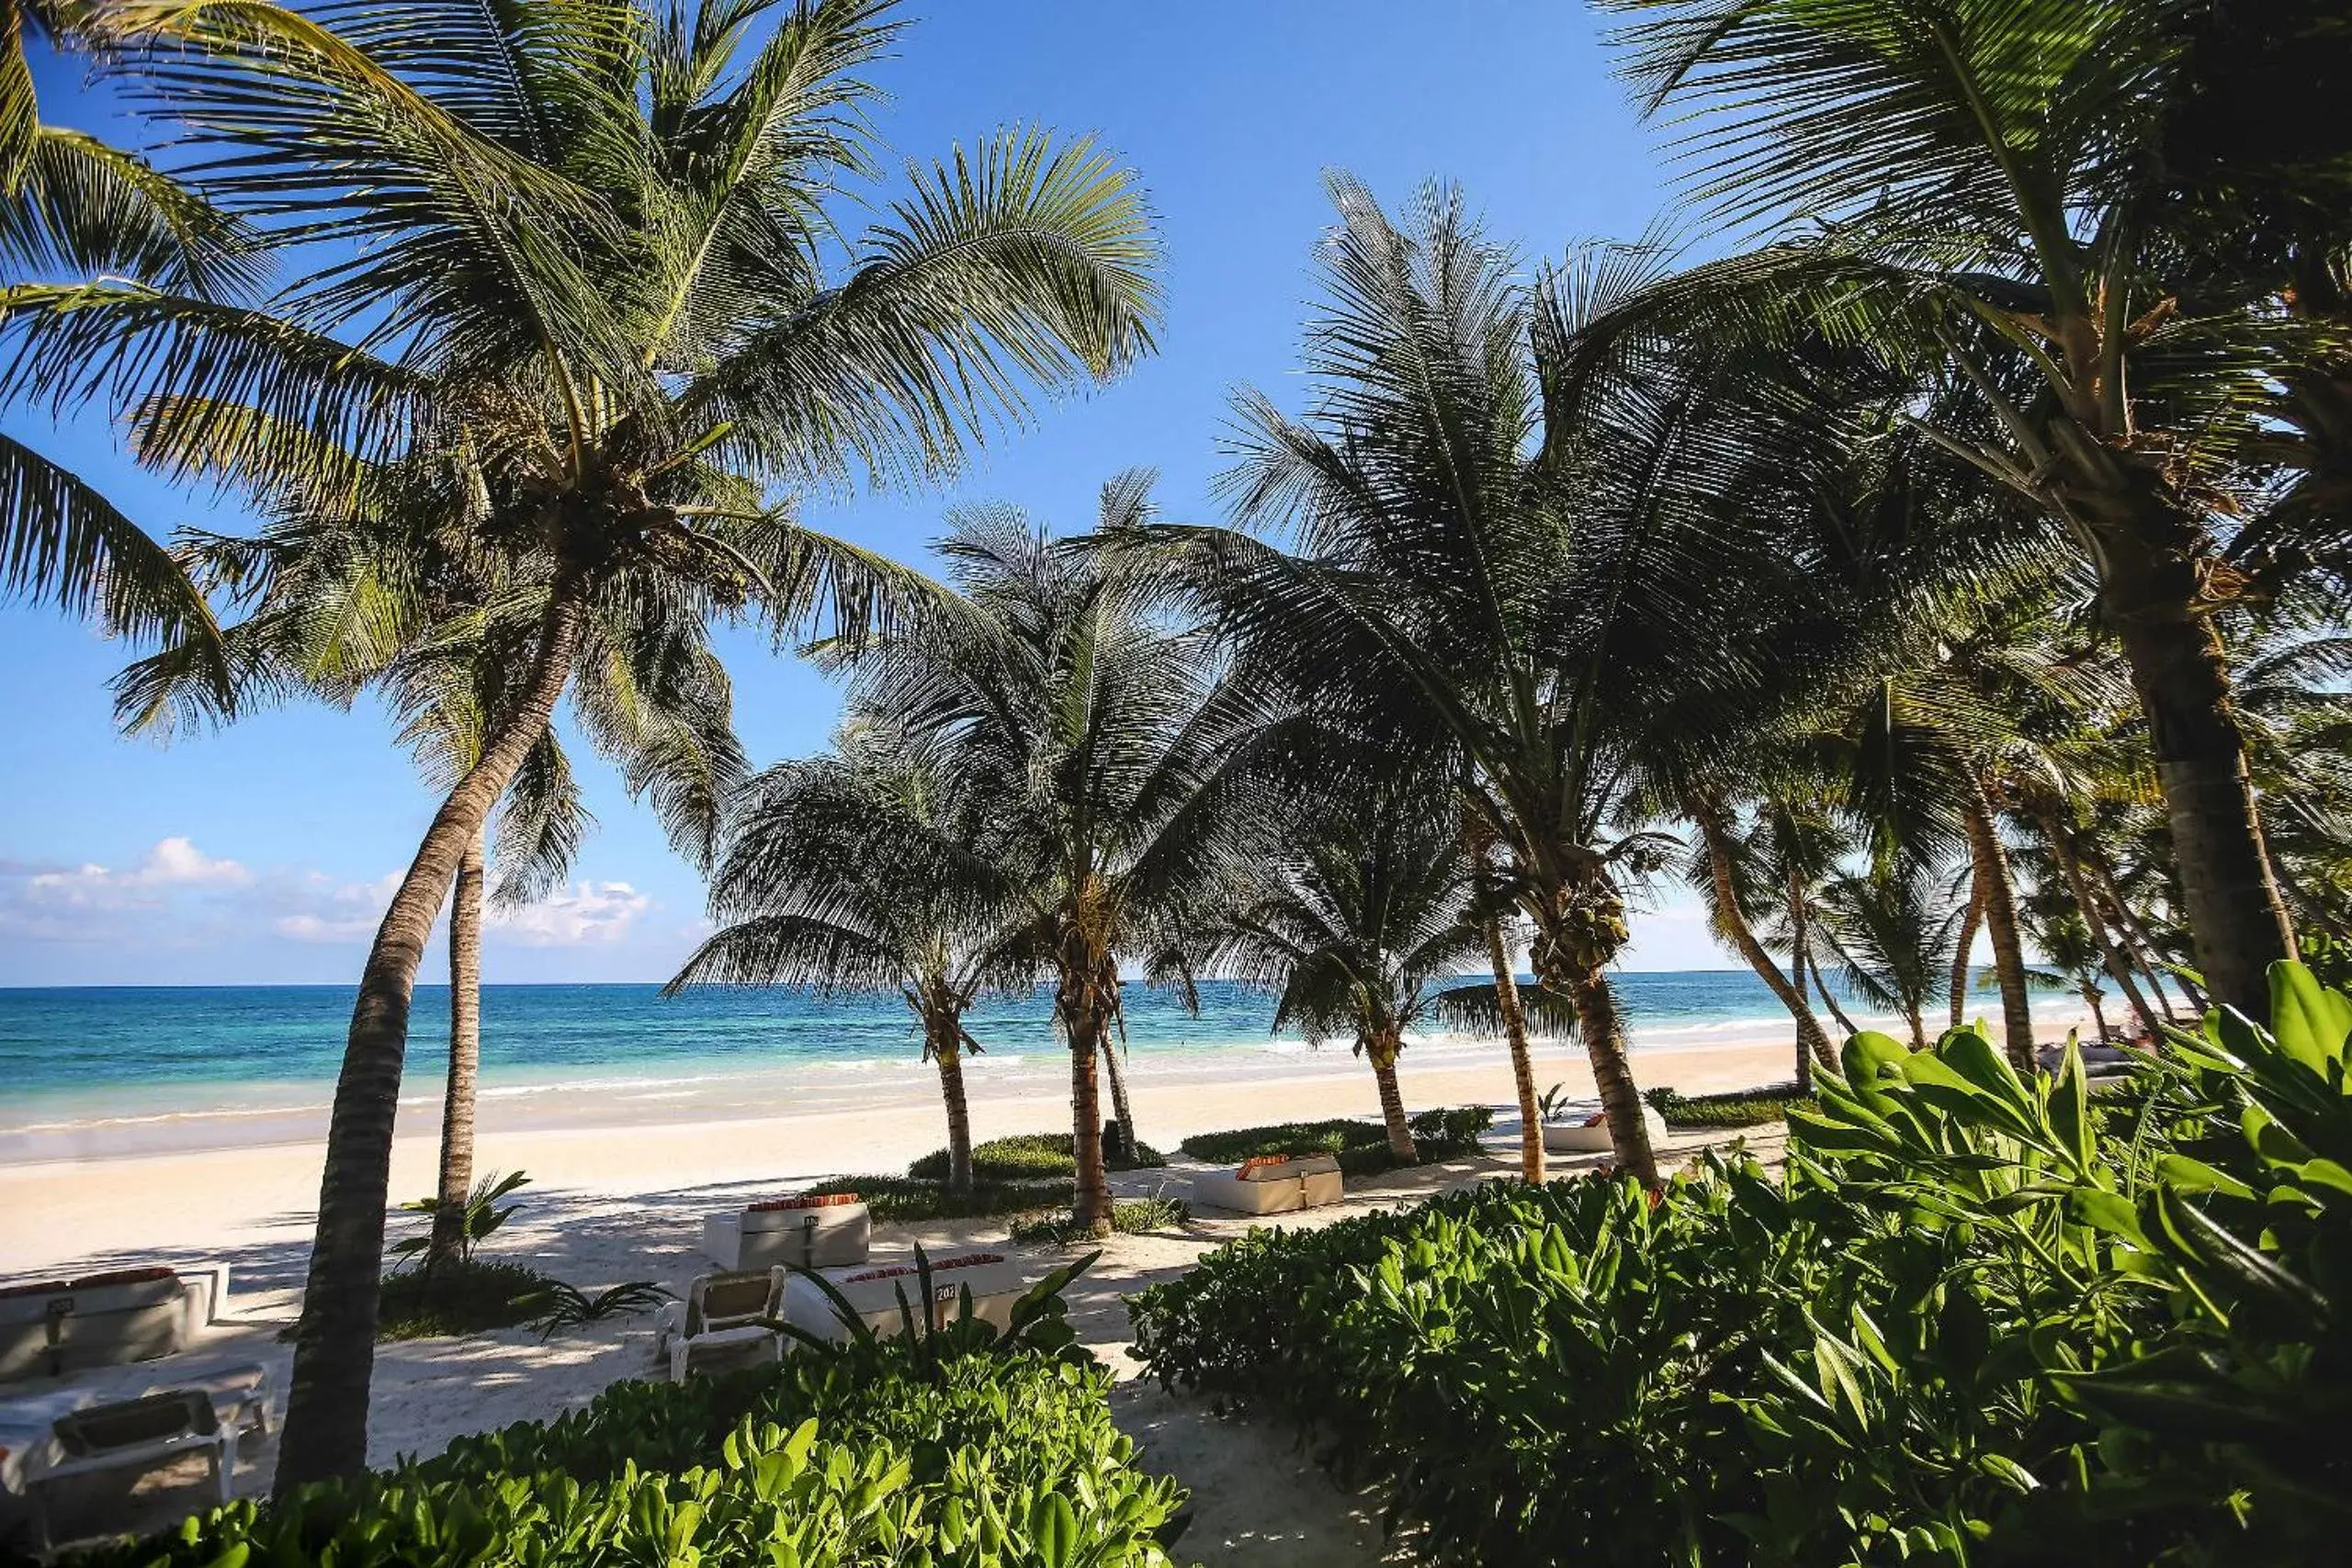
<point>107,1069</point>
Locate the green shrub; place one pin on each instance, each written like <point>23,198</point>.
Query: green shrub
<point>906,1200</point>
<point>1027,1157</point>
<point>469,1297</point>
<point>1129,1217</point>
<point>1980,1320</point>
<point>930,1452</point>
<point>1742,1108</point>
<point>1361,1147</point>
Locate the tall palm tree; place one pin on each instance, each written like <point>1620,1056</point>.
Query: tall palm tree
<point>1114,770</point>
<point>1353,923</point>
<point>1485,574</point>
<point>1736,873</point>
<point>590,277</point>
<point>1986,208</point>
<point>368,590</point>
<point>860,871</point>
<point>1890,936</point>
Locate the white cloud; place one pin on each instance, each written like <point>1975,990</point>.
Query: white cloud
<point>172,863</point>
<point>327,911</point>
<point>176,863</point>
<point>592,913</point>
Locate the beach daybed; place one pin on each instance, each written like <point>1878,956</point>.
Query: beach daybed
<point>720,1322</point>
<point>828,1231</point>
<point>1277,1184</point>
<point>1589,1134</point>
<point>99,1320</point>
<point>995,1283</point>
<point>50,1439</point>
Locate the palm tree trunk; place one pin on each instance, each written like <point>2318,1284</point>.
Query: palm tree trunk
<point>2150,596</point>
<point>2001,924</point>
<point>325,1435</point>
<point>2099,1014</point>
<point>1801,958</point>
<point>1082,1020</point>
<point>1603,1028</point>
<point>1523,1065</point>
<point>1963,957</point>
<point>2118,967</point>
<point>1804,1058</point>
<point>947,1050</point>
<point>1731,924</point>
<point>1918,1028</point>
<point>2141,940</point>
<point>465,1059</point>
<point>1382,1049</point>
<point>1120,1108</point>
<point>1821,984</point>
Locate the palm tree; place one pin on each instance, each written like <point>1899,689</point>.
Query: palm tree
<point>590,280</point>
<point>368,590</point>
<point>1112,768</point>
<point>853,873</point>
<point>1991,217</point>
<point>1891,938</point>
<point>2077,958</point>
<point>1741,896</point>
<point>1353,923</point>
<point>1485,574</point>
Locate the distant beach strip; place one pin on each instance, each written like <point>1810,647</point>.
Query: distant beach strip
<point>105,1071</point>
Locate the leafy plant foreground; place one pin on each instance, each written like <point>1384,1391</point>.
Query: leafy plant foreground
<point>1979,1320</point>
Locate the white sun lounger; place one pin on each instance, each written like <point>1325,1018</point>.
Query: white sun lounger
<point>102,1320</point>
<point>830,1235</point>
<point>1303,1181</point>
<point>719,1323</point>
<point>73,1432</point>
<point>996,1283</point>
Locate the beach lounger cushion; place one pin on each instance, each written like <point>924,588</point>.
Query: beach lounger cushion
<point>1272,1186</point>
<point>995,1281</point>
<point>99,1320</point>
<point>833,1232</point>
<point>1590,1135</point>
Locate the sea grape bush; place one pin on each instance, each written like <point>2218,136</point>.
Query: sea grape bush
<point>1979,1320</point>
<point>864,1456</point>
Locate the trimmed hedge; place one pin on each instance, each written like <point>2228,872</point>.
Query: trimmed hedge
<point>1129,1217</point>
<point>857,1458</point>
<point>1742,1108</point>
<point>1027,1157</point>
<point>906,1200</point>
<point>1360,1147</point>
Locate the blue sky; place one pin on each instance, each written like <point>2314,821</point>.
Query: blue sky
<point>261,854</point>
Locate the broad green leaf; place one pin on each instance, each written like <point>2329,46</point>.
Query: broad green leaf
<point>2190,1175</point>
<point>2108,1212</point>
<point>1053,1527</point>
<point>2308,1021</point>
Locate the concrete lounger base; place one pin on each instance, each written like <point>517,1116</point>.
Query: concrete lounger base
<point>1280,1188</point>
<point>996,1283</point>
<point>830,1237</point>
<point>1572,1139</point>
<point>104,1320</point>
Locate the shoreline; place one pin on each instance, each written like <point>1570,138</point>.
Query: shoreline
<point>200,1115</point>
<point>74,1210</point>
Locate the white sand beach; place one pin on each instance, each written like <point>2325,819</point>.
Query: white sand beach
<point>624,1202</point>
